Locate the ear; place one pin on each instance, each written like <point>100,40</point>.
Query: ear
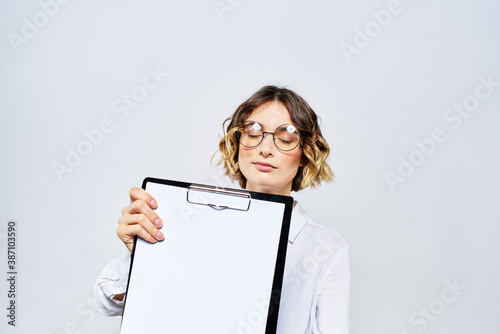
<point>303,161</point>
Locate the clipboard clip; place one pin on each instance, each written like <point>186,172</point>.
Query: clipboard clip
<point>219,198</point>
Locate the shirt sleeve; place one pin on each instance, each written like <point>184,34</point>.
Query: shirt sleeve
<point>111,282</point>
<point>333,303</point>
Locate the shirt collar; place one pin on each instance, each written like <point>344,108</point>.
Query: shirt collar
<point>297,223</point>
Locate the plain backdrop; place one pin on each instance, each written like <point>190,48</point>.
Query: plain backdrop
<point>416,189</point>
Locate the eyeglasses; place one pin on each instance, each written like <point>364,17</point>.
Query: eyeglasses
<point>285,137</point>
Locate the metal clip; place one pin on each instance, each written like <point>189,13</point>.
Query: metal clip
<point>219,198</point>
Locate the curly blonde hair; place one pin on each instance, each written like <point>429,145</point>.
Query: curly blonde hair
<point>315,149</point>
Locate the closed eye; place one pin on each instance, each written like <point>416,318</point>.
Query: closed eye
<point>284,141</point>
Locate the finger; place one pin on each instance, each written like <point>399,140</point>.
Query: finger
<point>127,233</point>
<point>141,207</point>
<point>151,238</point>
<point>140,225</point>
<point>139,193</point>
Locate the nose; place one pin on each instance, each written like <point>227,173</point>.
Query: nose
<point>267,145</point>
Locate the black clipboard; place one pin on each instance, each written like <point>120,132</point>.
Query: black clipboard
<point>219,269</point>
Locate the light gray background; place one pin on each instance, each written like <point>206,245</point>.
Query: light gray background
<point>438,227</point>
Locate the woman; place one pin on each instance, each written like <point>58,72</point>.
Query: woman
<point>272,144</point>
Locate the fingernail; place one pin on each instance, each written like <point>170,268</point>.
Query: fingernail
<point>154,204</point>
<point>159,235</point>
<point>158,223</point>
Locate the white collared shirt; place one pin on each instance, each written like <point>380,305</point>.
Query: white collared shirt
<point>316,283</point>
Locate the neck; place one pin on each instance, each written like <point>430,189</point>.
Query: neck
<point>283,191</point>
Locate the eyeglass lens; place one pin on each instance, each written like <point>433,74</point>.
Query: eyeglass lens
<point>285,137</point>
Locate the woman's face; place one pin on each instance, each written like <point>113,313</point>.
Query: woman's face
<point>266,168</point>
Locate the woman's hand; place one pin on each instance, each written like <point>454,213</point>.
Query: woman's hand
<point>138,218</point>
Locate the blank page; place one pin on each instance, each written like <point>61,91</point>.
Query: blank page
<point>212,274</point>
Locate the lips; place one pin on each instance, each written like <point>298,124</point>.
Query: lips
<point>264,166</point>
